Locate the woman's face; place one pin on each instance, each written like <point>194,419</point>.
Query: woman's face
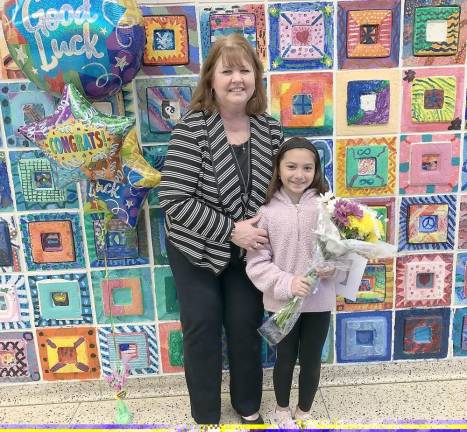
<point>233,85</point>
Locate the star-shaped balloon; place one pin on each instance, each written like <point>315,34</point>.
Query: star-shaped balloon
<point>125,201</point>
<point>81,139</point>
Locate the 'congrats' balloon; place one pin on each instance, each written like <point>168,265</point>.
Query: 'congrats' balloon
<point>97,45</point>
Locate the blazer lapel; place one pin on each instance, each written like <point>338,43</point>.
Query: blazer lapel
<point>261,162</point>
<point>228,182</point>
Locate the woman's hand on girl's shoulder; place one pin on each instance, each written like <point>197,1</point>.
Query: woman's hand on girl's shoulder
<point>247,236</point>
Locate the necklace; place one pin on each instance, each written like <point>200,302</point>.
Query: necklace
<point>245,194</point>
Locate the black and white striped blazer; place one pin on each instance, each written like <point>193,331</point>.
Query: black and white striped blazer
<point>200,187</point>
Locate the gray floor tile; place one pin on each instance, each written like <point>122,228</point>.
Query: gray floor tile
<point>168,410</point>
<point>435,400</point>
<point>53,392</point>
<point>39,414</point>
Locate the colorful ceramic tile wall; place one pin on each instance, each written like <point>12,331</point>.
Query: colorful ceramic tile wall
<point>379,88</point>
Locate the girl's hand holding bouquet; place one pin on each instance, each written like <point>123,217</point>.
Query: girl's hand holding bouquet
<point>300,286</point>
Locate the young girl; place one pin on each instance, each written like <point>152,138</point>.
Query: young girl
<point>278,268</point>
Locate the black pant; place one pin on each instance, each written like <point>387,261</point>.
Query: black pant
<point>207,302</point>
<point>306,339</point>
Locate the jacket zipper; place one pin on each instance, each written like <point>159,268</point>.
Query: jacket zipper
<point>298,222</point>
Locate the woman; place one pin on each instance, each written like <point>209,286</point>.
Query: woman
<point>215,178</point>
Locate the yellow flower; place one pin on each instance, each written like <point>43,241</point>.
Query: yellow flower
<point>368,227</point>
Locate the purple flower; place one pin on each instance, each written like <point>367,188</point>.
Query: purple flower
<point>343,209</point>
<point>118,378</point>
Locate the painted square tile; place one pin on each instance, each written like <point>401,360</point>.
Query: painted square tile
<point>424,280</point>
<point>427,223</point>
<point>301,36</point>
<point>369,102</point>
<point>52,241</point>
<point>135,345</point>
<point>162,102</point>
<point>171,340</point>
<point>432,99</point>
<point>115,243</point>
<point>464,166</point>
<point>429,163</point>
<point>157,217</point>
<point>172,46</point>
<point>366,166</point>
<point>155,155</point>
<point>18,360</point>
<point>303,103</point>
<point>421,333</point>
<point>434,33</point>
<point>14,305</point>
<point>10,245</point>
<point>68,353</point>
<point>385,208</point>
<point>247,20</point>
<point>462,233</point>
<point>61,299</point>
<point>363,336</point>
<point>34,183</point>
<point>368,34</point>
<point>123,296</point>
<point>376,288</point>
<point>22,103</point>
<point>460,294</point>
<point>112,105</point>
<point>168,308</point>
<point>6,201</point>
<point>459,332</point>
<point>325,151</point>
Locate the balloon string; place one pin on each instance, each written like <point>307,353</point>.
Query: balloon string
<point>109,291</point>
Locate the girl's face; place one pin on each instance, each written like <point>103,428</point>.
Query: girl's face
<point>233,85</point>
<point>297,172</point>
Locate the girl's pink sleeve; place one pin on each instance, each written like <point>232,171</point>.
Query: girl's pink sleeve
<point>266,275</point>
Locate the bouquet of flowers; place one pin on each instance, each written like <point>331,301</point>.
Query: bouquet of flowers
<point>348,234</point>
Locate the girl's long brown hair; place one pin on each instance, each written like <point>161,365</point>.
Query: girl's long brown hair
<point>318,182</point>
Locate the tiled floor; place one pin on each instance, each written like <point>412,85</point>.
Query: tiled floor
<point>369,403</point>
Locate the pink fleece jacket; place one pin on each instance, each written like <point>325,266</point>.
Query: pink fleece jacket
<point>288,254</point>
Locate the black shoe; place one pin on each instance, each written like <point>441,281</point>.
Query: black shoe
<point>259,420</point>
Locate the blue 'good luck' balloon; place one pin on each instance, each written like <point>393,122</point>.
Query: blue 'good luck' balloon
<point>97,45</point>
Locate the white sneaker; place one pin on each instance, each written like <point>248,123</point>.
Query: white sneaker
<point>283,420</point>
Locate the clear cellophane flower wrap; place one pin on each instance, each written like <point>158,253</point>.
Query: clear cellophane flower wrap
<point>344,228</point>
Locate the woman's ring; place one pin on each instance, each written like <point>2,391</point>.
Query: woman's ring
<point>257,245</point>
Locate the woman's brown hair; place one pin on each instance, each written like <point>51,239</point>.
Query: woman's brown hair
<point>234,50</point>
<point>318,183</point>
